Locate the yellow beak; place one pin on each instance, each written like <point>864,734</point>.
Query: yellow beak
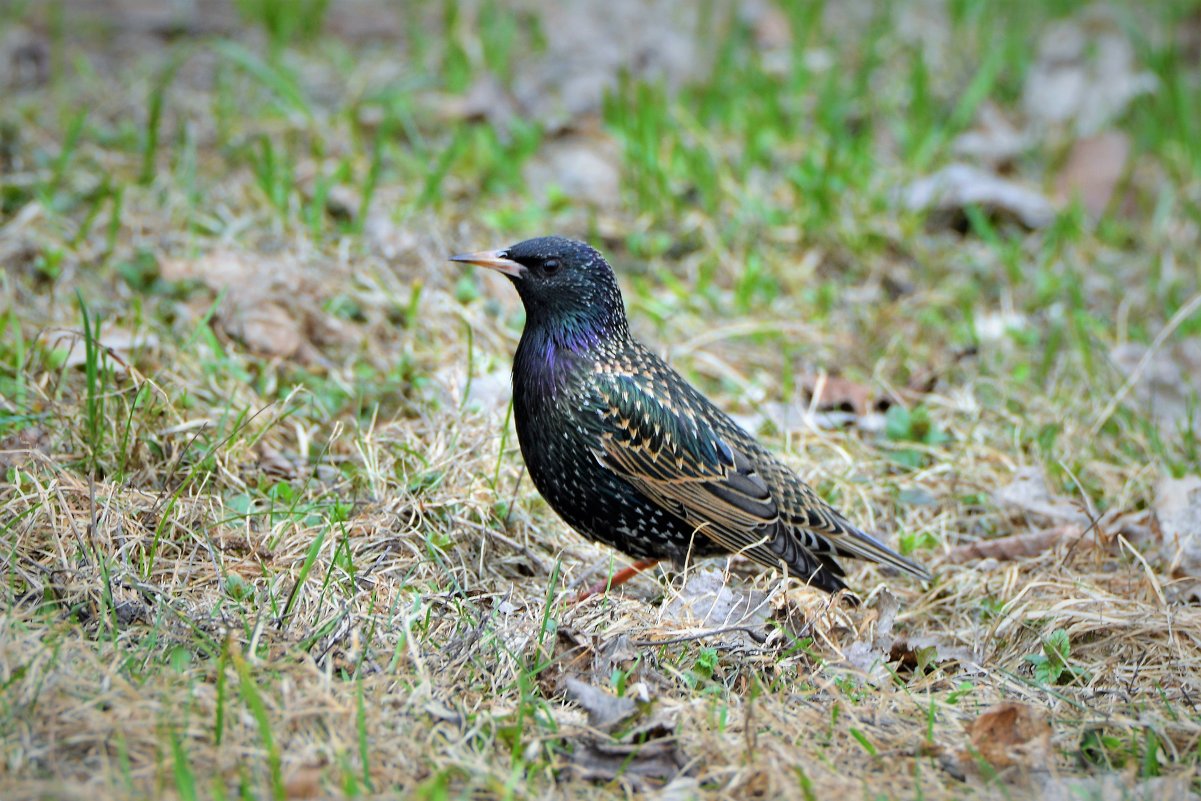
<point>493,260</point>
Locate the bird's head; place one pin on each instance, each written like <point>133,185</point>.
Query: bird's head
<point>564,284</point>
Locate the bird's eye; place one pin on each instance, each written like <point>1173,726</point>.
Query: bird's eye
<point>551,266</point>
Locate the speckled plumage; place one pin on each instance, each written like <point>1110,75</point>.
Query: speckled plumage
<point>628,453</point>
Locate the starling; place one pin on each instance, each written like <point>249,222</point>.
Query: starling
<point>630,454</point>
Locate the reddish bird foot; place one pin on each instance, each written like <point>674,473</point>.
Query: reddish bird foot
<point>619,578</point>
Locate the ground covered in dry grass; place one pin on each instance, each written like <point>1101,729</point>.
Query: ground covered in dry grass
<point>265,526</point>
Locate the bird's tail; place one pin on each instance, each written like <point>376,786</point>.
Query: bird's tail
<point>855,542</point>
<point>837,536</point>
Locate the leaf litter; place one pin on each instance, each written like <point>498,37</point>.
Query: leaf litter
<point>1085,75</point>
<point>645,749</point>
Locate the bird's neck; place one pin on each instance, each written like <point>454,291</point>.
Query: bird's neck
<point>548,355</point>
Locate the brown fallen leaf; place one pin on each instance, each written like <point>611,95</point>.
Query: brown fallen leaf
<point>221,269</point>
<point>268,328</point>
<point>1093,169</point>
<point>270,301</point>
<point>304,782</point>
<point>1016,546</point>
<point>1009,734</point>
<point>837,393</point>
<point>572,652</point>
<point>911,652</point>
<point>240,544</point>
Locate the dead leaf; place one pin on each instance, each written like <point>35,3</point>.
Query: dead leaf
<point>614,653</point>
<point>270,301</point>
<point>648,752</point>
<point>834,392</point>
<point>869,654</point>
<point>571,653</point>
<point>1085,73</point>
<point>886,607</point>
<point>910,652</point>
<point>221,269</point>
<point>949,191</point>
<point>1169,381</point>
<point>604,709</point>
<point>596,760</point>
<point>1093,169</point>
<point>708,601</point>
<point>1028,492</point>
<point>304,782</point>
<point>1016,546</point>
<point>1178,509</point>
<point>1011,734</point>
<point>268,328</point>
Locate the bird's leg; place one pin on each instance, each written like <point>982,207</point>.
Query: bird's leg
<point>620,577</point>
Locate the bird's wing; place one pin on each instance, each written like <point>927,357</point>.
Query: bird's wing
<point>658,442</point>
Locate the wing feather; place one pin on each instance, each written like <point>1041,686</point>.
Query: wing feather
<point>685,466</point>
